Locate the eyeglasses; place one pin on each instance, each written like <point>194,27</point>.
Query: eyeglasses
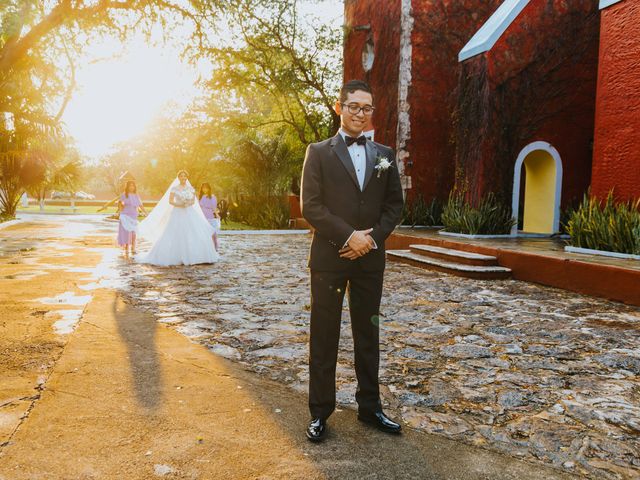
<point>355,109</point>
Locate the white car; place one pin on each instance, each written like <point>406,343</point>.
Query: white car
<point>56,194</point>
<point>79,195</point>
<point>84,195</point>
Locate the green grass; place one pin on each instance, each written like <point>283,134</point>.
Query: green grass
<point>237,226</point>
<point>63,209</point>
<point>230,225</point>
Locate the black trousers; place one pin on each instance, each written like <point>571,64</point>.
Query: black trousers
<point>327,294</point>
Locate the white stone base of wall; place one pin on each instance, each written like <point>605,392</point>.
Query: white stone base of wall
<point>604,253</point>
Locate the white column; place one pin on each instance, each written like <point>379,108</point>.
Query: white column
<point>403,133</point>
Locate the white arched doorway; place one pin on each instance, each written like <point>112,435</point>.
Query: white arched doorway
<point>542,189</point>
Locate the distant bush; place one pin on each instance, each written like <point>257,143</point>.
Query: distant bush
<point>261,212</point>
<point>489,217</point>
<point>419,212</point>
<point>609,226</point>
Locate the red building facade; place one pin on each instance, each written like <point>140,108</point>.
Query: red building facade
<point>526,103</point>
<point>371,53</point>
<point>616,159</point>
<point>500,96</point>
<point>412,48</point>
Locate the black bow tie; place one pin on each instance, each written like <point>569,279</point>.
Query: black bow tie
<point>361,140</point>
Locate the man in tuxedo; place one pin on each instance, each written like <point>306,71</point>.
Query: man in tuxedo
<point>351,195</point>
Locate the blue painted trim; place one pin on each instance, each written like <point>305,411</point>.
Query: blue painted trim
<point>607,3</point>
<point>492,30</point>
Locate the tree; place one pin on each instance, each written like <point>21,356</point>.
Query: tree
<point>278,72</point>
<point>63,173</point>
<point>27,25</point>
<point>271,93</point>
<point>40,42</point>
<point>25,154</point>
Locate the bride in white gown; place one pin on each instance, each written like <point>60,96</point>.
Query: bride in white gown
<point>179,232</point>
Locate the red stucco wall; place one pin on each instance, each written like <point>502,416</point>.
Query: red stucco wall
<point>616,156</point>
<point>383,19</point>
<point>440,31</point>
<point>537,83</point>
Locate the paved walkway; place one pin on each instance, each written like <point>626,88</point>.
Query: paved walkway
<point>532,371</point>
<point>118,395</point>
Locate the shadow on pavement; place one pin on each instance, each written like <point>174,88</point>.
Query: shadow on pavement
<point>139,335</point>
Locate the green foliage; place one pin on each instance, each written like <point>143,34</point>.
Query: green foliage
<point>40,45</point>
<point>64,172</point>
<point>260,165</point>
<point>419,212</point>
<point>565,215</point>
<point>275,76</point>
<point>27,152</point>
<point>280,69</point>
<point>609,226</point>
<point>271,92</point>
<point>261,212</point>
<point>488,217</point>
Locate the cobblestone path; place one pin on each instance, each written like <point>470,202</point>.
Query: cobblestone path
<point>537,372</point>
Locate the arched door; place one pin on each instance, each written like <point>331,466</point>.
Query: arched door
<point>542,189</point>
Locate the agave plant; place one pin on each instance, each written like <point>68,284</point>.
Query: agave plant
<point>488,217</point>
<point>419,212</point>
<point>607,225</point>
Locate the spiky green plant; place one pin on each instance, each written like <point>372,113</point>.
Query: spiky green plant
<point>419,212</point>
<point>488,217</point>
<point>611,226</point>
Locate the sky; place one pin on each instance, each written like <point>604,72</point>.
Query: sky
<point>118,97</point>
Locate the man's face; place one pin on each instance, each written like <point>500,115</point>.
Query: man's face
<point>354,123</point>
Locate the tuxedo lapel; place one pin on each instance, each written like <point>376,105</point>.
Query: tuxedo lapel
<point>372,153</point>
<point>340,149</point>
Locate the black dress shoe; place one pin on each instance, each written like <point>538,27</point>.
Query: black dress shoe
<point>380,421</point>
<point>317,430</point>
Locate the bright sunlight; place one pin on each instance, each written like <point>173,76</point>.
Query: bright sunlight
<point>119,95</point>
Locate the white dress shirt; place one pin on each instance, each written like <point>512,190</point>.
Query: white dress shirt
<point>359,158</point>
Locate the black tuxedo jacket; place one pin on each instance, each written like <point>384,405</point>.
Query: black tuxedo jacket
<point>333,204</point>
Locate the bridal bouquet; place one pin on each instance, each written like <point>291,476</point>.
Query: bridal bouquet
<point>184,197</point>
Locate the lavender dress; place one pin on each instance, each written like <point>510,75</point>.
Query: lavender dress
<point>208,206</point>
<point>128,218</point>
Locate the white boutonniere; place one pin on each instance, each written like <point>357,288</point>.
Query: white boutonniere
<point>382,165</point>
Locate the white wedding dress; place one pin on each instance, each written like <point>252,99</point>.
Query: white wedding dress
<point>179,235</point>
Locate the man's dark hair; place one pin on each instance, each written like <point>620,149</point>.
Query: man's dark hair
<point>352,86</point>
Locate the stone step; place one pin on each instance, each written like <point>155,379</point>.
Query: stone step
<point>470,271</point>
<point>455,256</point>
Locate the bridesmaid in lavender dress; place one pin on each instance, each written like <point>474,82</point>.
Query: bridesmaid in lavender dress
<point>128,226</point>
<point>209,206</point>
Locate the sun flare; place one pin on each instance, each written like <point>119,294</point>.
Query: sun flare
<point>119,96</point>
